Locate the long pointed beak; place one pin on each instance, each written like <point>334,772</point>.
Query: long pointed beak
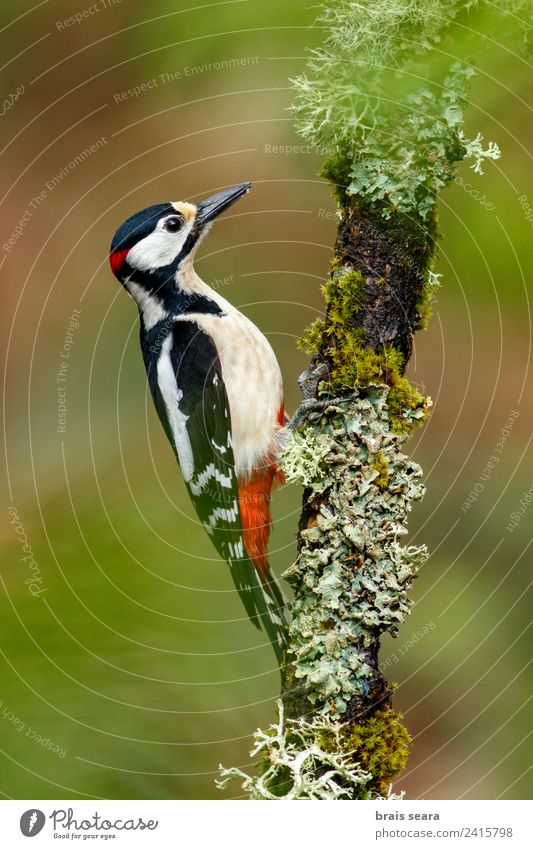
<point>208,209</point>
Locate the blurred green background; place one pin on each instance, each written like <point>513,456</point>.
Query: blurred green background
<point>136,661</point>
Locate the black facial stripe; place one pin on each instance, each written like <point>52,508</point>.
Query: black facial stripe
<point>161,281</point>
<point>156,282</point>
<point>188,245</point>
<point>175,303</point>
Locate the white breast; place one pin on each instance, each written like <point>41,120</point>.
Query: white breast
<point>252,376</point>
<point>253,384</point>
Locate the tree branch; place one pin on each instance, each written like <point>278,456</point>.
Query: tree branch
<point>384,98</point>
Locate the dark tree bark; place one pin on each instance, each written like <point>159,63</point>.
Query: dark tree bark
<point>392,255</point>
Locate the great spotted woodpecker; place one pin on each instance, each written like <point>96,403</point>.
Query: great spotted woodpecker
<point>217,389</point>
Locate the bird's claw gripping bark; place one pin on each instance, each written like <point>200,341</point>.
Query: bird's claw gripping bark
<point>310,378</point>
<point>311,407</point>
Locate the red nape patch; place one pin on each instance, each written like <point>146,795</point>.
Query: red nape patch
<point>116,259</point>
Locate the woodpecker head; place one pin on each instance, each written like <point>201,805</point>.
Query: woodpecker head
<point>155,241</point>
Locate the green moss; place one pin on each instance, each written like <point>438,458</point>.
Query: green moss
<point>345,296</point>
<point>380,745</point>
<point>423,306</point>
<point>381,466</point>
<point>342,343</point>
<point>312,337</point>
<point>407,406</point>
<point>336,170</point>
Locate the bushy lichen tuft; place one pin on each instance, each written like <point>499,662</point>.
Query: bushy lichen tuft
<point>324,759</point>
<point>390,104</point>
<point>303,458</point>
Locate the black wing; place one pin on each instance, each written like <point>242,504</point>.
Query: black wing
<point>198,424</point>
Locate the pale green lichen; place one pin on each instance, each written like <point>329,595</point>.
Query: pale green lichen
<point>475,150</point>
<point>323,759</point>
<point>303,458</point>
<point>296,766</point>
<point>352,574</point>
<point>386,93</point>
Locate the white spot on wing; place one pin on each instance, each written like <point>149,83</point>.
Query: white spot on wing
<point>172,395</point>
<point>211,472</point>
<point>226,513</point>
<point>272,608</point>
<point>236,550</point>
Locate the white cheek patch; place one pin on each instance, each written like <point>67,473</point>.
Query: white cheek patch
<point>158,249</point>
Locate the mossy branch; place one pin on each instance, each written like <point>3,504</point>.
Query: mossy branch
<point>385,95</point>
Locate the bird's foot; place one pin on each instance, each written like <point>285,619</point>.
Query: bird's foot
<point>311,410</point>
<point>310,378</point>
<point>311,407</point>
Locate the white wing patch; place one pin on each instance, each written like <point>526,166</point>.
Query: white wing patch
<point>172,395</point>
<point>236,550</point>
<point>208,474</point>
<point>220,448</point>
<point>228,514</point>
<point>252,380</point>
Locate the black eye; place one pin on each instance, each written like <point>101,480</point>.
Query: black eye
<point>172,225</point>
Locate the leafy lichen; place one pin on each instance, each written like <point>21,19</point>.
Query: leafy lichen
<point>352,551</point>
